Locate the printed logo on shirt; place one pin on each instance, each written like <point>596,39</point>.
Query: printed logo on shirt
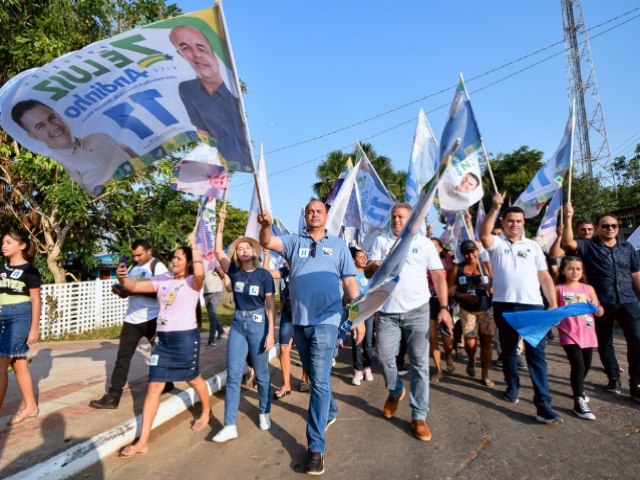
<point>303,252</point>
<point>16,274</point>
<point>506,251</point>
<point>239,287</point>
<point>327,252</point>
<point>254,290</point>
<point>524,253</point>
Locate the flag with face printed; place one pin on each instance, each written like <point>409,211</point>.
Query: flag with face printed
<point>547,230</point>
<point>424,159</point>
<point>461,184</point>
<point>550,177</point>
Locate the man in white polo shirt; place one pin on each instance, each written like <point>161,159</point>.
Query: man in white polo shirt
<point>407,311</point>
<point>519,272</point>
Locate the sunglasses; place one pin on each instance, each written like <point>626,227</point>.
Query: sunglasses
<point>607,226</point>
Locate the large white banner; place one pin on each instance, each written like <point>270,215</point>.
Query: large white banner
<point>120,104</point>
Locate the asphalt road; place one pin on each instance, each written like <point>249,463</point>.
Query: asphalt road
<point>475,435</point>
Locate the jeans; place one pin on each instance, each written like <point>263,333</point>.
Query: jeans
<point>536,360</point>
<point>315,345</point>
<point>211,301</point>
<point>362,354</point>
<point>130,336</point>
<point>246,335</point>
<point>628,317</point>
<point>415,325</point>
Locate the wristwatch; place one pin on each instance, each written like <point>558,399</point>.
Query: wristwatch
<point>444,307</point>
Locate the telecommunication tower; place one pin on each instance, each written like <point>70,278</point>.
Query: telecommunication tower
<point>591,146</point>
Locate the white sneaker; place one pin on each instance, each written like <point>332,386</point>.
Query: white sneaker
<point>368,376</point>
<point>582,410</point>
<point>586,399</point>
<point>229,432</point>
<point>265,421</point>
<point>357,377</point>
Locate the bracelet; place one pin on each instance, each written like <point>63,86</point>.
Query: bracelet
<point>197,261</point>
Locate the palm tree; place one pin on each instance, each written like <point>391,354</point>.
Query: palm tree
<point>328,172</point>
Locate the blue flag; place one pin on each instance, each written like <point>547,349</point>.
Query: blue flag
<point>547,230</point>
<point>424,159</point>
<point>533,325</point>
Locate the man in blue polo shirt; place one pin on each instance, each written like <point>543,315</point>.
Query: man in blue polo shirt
<point>318,264</point>
<point>613,269</point>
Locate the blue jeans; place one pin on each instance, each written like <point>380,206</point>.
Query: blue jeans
<point>628,317</point>
<point>362,353</point>
<point>536,360</point>
<point>315,345</point>
<point>246,335</point>
<point>415,325</point>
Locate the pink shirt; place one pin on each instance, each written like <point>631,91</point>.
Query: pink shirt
<point>177,300</point>
<point>576,330</point>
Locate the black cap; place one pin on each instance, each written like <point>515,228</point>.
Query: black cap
<point>468,246</point>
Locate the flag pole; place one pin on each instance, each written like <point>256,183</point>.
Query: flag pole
<point>573,126</point>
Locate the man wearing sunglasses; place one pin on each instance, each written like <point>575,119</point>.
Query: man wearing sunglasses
<point>318,265</point>
<point>613,268</point>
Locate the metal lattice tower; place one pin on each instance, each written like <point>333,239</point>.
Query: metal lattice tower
<point>591,146</point>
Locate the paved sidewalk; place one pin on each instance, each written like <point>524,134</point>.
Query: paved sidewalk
<point>67,375</point>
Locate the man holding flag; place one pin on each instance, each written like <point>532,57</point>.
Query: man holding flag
<point>407,311</point>
<point>519,272</point>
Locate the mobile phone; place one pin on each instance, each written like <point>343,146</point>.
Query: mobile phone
<point>444,330</point>
<point>124,259</point>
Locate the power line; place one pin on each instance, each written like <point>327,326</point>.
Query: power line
<point>473,78</point>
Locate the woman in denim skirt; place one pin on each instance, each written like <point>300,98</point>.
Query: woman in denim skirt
<point>19,319</point>
<point>176,354</point>
<point>252,327</point>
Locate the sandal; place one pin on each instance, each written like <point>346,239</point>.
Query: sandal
<point>450,366</point>
<point>436,377</point>
<point>488,383</point>
<point>280,393</point>
<point>20,417</point>
<point>471,370</point>
<point>130,452</point>
<point>304,387</point>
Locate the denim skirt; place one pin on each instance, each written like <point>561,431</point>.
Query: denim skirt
<point>15,322</point>
<point>175,356</point>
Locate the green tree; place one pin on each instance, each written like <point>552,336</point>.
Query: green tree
<point>626,173</point>
<point>328,172</point>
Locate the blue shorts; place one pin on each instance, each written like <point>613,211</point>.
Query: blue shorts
<point>15,322</point>
<point>286,329</point>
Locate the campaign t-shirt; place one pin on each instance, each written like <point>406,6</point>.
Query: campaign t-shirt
<point>250,288</point>
<point>15,283</point>
<point>177,299</point>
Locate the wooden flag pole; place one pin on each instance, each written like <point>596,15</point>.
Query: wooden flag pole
<point>486,161</point>
<point>255,182</point>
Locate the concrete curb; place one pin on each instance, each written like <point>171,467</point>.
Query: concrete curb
<point>85,454</point>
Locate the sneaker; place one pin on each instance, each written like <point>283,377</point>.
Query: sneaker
<point>315,463</point>
<point>107,402</point>
<point>614,386</point>
<point>511,395</point>
<point>210,345</point>
<point>402,371</point>
<point>368,376</point>
<point>498,362</point>
<point>265,421</point>
<point>221,336</point>
<point>581,409</point>
<point>586,398</point>
<point>421,430</point>
<point>391,405</point>
<point>228,432</point>
<point>357,377</point>
<point>333,362</point>
<point>545,414</point>
<point>330,422</point>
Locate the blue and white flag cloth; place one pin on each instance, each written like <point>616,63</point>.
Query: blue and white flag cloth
<point>385,278</point>
<point>547,230</point>
<point>533,325</point>
<point>425,155</point>
<point>205,231</point>
<point>253,227</point>
<point>550,177</point>
<point>480,216</point>
<point>342,211</point>
<point>375,201</point>
<point>461,185</point>
<point>634,239</point>
<point>302,223</point>
<point>348,166</point>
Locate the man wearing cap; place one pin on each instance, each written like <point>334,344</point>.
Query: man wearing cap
<point>407,310</point>
<point>519,272</point>
<point>318,264</point>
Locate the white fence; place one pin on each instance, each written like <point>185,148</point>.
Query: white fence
<point>79,307</point>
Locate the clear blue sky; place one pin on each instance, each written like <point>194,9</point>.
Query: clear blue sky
<point>314,67</point>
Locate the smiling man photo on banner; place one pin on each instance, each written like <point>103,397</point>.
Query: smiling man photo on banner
<point>89,160</point>
<point>212,105</point>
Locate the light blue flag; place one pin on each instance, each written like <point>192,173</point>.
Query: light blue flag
<point>302,223</point>
<point>348,166</point>
<point>547,230</point>
<point>533,325</point>
<point>550,177</point>
<point>385,278</point>
<point>480,216</point>
<point>461,184</point>
<point>425,155</point>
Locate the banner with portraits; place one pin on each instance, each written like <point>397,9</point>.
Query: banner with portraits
<point>120,104</point>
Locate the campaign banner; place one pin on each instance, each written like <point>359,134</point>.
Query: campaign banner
<point>200,173</point>
<point>120,104</point>
<point>205,232</point>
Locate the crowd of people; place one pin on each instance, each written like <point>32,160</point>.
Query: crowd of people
<point>460,300</point>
